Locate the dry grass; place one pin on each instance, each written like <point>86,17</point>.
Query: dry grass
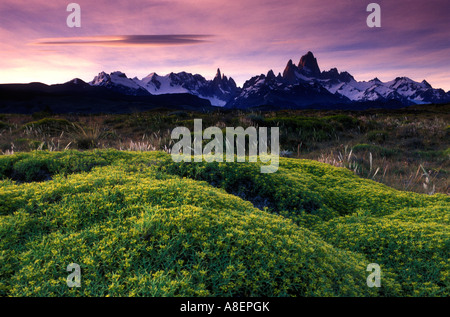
<point>405,150</point>
<point>421,177</point>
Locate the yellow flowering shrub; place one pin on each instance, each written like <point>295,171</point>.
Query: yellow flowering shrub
<point>139,224</point>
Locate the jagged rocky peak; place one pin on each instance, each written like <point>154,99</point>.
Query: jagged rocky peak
<point>308,63</point>
<point>290,65</point>
<point>333,70</point>
<point>102,75</point>
<point>401,79</point>
<point>219,75</point>
<point>289,73</point>
<point>270,75</point>
<point>346,77</point>
<point>375,80</point>
<point>333,73</point>
<point>119,74</point>
<point>224,82</point>
<point>104,78</point>
<point>219,78</point>
<point>152,74</point>
<point>426,84</point>
<point>101,78</point>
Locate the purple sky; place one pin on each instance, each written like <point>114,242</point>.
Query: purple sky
<point>244,38</point>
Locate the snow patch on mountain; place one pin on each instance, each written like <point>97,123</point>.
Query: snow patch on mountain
<point>218,91</point>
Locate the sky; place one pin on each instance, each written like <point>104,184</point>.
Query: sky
<point>243,38</point>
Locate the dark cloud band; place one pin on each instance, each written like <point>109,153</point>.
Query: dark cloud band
<point>127,40</point>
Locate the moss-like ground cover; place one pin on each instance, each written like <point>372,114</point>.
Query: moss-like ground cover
<point>139,224</point>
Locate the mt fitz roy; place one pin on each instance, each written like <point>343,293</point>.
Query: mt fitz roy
<point>300,85</point>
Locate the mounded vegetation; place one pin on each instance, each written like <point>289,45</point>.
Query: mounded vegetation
<point>139,224</point>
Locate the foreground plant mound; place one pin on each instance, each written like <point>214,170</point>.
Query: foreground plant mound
<point>404,232</point>
<point>414,242</point>
<point>41,165</point>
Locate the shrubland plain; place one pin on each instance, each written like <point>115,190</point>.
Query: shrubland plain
<point>102,191</point>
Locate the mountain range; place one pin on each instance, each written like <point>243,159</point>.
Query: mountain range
<point>218,91</point>
<point>301,85</point>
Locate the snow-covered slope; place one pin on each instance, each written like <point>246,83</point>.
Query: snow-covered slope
<point>307,77</point>
<point>403,89</point>
<point>218,91</point>
<point>119,82</point>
